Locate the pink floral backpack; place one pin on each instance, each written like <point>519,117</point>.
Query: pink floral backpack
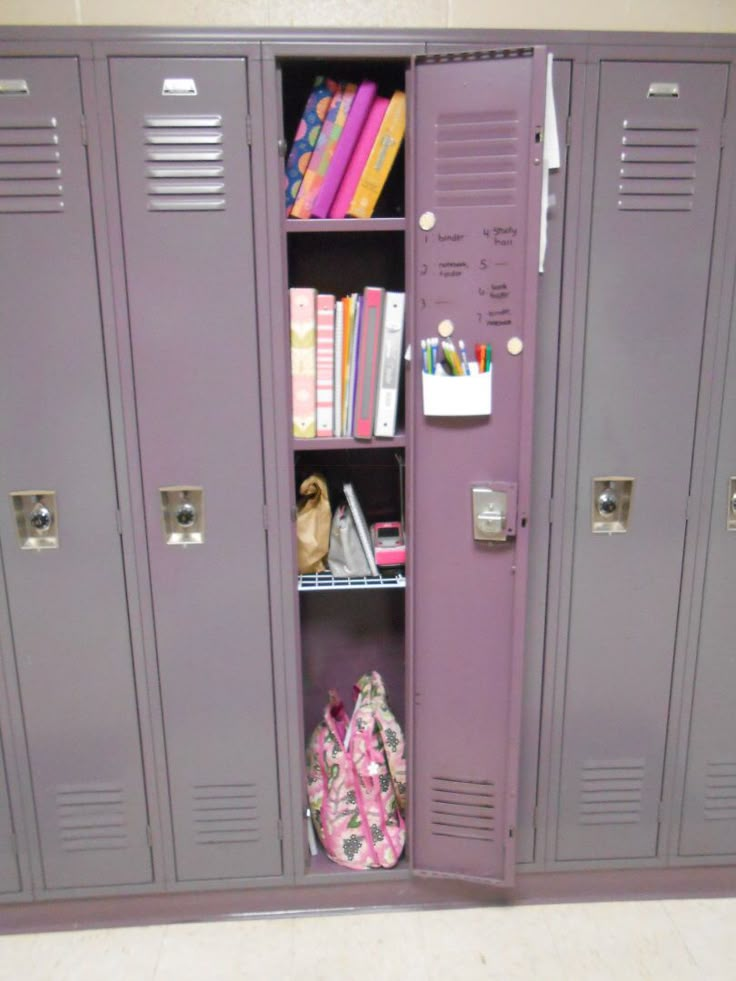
<point>356,779</point>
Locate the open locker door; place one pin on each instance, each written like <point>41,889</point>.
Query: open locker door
<point>474,219</point>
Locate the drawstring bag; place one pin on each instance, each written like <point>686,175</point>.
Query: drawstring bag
<point>356,779</point>
<point>313,525</point>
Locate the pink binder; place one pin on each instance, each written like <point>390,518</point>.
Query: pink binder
<point>361,153</point>
<point>370,338</point>
<point>325,364</point>
<point>341,158</point>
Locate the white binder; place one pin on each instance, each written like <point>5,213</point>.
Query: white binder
<point>389,376</point>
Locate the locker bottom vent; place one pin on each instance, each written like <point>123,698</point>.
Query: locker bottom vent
<point>463,808</point>
<point>91,817</point>
<point>225,813</point>
<point>611,791</point>
<point>720,791</point>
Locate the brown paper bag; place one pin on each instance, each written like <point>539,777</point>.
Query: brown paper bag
<point>313,519</point>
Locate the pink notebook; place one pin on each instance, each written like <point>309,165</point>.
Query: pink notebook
<point>361,153</point>
<point>341,158</point>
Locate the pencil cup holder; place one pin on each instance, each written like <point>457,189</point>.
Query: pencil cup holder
<point>457,395</point>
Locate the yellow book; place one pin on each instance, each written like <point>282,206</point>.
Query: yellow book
<point>380,159</point>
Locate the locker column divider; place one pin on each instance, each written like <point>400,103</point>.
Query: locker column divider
<point>268,236</point>
<point>551,302</point>
<point>14,751</point>
<point>272,301</point>
<point>125,434</point>
<point>127,459</point>
<point>569,388</point>
<point>17,761</point>
<point>559,485</point>
<point>706,495</point>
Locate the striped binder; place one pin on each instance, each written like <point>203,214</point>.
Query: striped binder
<point>325,363</point>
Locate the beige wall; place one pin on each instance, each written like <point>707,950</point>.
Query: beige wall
<point>636,15</point>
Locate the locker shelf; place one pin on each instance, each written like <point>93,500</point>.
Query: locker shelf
<point>325,580</point>
<point>348,443</point>
<point>345,225</point>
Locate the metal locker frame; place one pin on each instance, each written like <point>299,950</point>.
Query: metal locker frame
<point>180,858</point>
<point>571,370</point>
<point>71,807</point>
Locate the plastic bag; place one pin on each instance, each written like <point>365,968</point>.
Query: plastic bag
<point>346,556</point>
<point>313,519</point>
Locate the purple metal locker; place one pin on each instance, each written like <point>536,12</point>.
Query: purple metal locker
<point>709,809</point>
<point>9,872</point>
<point>67,604</point>
<point>184,177</point>
<point>654,195</point>
<point>474,225</point>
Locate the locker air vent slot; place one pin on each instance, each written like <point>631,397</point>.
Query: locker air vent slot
<point>463,808</point>
<point>611,791</point>
<point>476,159</point>
<point>91,817</point>
<point>185,163</point>
<point>225,813</point>
<point>658,166</point>
<point>30,166</point>
<point>720,791</point>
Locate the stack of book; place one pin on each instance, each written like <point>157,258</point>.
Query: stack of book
<point>345,362</point>
<point>345,145</point>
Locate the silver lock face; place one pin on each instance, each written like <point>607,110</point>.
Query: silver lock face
<point>490,514</point>
<point>731,520</point>
<point>182,513</point>
<point>36,520</point>
<point>611,506</point>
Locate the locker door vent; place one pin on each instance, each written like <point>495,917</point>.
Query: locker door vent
<point>91,817</point>
<point>611,791</point>
<point>185,163</point>
<point>658,167</point>
<point>225,813</point>
<point>720,792</point>
<point>30,166</point>
<point>476,159</point>
<point>463,808</point>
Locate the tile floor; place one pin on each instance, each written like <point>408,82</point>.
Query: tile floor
<point>667,940</point>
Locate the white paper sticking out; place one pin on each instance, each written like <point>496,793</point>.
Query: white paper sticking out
<point>550,159</point>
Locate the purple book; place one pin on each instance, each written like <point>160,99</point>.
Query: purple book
<point>358,114</point>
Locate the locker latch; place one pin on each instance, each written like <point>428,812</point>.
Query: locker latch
<point>732,504</point>
<point>494,511</point>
